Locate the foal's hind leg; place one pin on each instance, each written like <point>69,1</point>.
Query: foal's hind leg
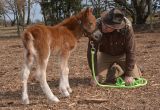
<point>64,82</point>
<point>41,77</point>
<point>29,57</point>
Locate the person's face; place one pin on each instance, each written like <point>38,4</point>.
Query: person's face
<point>107,29</point>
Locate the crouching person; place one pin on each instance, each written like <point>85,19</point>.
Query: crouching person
<point>114,44</point>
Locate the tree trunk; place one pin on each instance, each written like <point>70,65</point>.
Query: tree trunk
<point>21,12</point>
<point>44,11</point>
<point>142,8</point>
<point>151,15</point>
<point>18,28</point>
<point>5,24</point>
<point>140,19</point>
<point>139,10</point>
<point>29,6</point>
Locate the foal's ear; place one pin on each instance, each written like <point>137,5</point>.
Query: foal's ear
<point>89,10</point>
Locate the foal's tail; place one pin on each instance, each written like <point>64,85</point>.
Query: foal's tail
<point>28,43</point>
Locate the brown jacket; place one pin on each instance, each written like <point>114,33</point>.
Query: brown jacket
<point>117,43</point>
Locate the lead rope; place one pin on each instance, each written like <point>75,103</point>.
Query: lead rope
<point>119,82</point>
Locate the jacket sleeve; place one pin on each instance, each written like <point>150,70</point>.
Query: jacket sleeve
<point>130,52</point>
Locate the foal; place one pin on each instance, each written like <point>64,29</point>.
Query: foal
<point>39,41</point>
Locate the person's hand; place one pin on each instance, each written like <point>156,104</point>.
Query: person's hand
<point>129,80</point>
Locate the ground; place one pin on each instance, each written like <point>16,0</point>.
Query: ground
<point>84,97</point>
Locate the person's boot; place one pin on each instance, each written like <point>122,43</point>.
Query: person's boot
<point>114,71</point>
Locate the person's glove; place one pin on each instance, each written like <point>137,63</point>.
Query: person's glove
<point>129,80</point>
<point>97,36</point>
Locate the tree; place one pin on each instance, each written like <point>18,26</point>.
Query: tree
<point>138,9</point>
<point>29,7</point>
<point>142,8</point>
<point>1,9</point>
<point>1,12</point>
<point>8,8</point>
<point>98,6</point>
<point>55,11</point>
<point>20,5</point>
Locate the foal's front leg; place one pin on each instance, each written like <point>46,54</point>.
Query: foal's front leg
<point>64,81</point>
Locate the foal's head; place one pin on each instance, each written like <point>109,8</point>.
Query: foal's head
<point>88,19</point>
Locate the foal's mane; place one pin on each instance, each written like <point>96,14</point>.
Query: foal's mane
<point>72,21</point>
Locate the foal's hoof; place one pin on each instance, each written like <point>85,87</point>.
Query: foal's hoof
<point>54,99</point>
<point>25,101</point>
<point>65,93</point>
<point>69,90</point>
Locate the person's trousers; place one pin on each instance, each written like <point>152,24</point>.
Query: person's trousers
<point>111,67</point>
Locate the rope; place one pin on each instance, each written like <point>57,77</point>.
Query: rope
<point>119,81</point>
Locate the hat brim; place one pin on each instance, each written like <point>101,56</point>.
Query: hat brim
<point>113,26</point>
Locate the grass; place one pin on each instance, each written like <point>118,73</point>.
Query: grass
<point>8,31</point>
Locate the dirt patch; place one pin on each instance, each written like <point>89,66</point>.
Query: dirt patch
<point>84,97</point>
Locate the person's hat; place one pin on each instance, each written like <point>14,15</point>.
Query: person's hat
<point>113,19</point>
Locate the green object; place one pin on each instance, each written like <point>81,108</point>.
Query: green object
<point>119,81</point>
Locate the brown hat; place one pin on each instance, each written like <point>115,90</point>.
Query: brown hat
<point>113,19</point>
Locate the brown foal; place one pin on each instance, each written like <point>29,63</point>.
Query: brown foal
<point>40,41</point>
